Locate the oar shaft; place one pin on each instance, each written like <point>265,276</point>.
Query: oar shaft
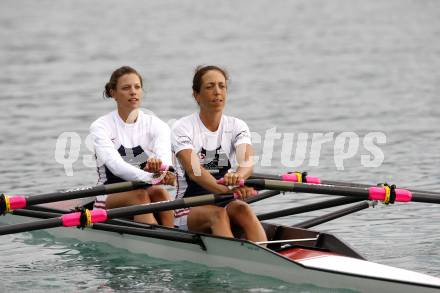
<point>265,176</point>
<point>350,184</point>
<point>27,227</point>
<point>13,202</point>
<point>308,188</point>
<point>85,192</point>
<point>164,206</point>
<point>262,195</point>
<point>333,215</point>
<point>427,198</point>
<point>98,215</point>
<point>293,177</point>
<point>383,193</point>
<point>308,208</point>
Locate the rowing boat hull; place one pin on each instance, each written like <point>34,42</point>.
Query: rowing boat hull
<point>326,270</point>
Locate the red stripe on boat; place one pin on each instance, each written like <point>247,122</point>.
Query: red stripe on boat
<point>300,254</point>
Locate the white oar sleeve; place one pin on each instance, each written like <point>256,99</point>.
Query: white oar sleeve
<point>107,155</point>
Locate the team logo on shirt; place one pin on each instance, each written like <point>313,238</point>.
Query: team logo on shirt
<point>214,161</point>
<point>184,139</point>
<point>134,156</point>
<point>242,134</point>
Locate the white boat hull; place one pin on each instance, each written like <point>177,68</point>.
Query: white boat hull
<point>327,270</point>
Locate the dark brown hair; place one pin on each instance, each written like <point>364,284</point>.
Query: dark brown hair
<point>111,85</point>
<point>201,70</point>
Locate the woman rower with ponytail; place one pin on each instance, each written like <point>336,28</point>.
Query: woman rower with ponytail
<point>132,145</point>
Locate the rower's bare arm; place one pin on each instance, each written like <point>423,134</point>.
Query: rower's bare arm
<point>190,162</point>
<point>244,154</point>
<point>244,170</point>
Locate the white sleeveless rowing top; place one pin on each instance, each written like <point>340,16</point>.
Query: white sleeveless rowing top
<point>216,150</point>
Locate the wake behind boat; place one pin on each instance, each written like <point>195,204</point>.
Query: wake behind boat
<point>294,255</point>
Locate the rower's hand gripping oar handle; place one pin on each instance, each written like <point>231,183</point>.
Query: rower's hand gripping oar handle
<point>222,182</point>
<point>164,167</point>
<point>240,184</point>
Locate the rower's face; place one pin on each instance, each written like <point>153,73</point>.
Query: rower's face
<point>128,92</point>
<point>213,92</point>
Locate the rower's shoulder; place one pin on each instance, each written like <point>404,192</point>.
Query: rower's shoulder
<point>185,122</point>
<point>103,121</point>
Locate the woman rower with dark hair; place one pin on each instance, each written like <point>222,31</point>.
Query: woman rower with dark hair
<point>209,146</point>
<point>132,145</point>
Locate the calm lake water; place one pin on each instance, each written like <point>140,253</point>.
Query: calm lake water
<point>298,69</point>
